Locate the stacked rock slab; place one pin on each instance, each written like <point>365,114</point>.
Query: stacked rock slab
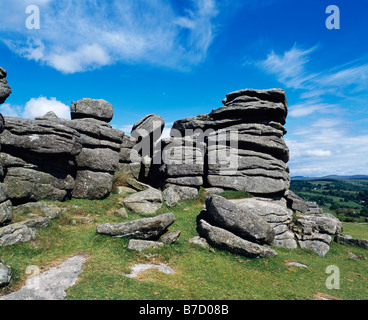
<point>5,204</point>
<point>181,168</point>
<point>245,146</point>
<point>52,158</point>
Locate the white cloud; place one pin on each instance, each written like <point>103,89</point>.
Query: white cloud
<point>36,107</point>
<point>312,107</point>
<point>289,68</point>
<point>77,36</point>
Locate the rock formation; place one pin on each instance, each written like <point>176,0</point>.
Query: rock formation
<point>238,146</point>
<point>52,158</point>
<point>245,149</point>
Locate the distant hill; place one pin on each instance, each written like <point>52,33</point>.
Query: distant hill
<point>333,177</point>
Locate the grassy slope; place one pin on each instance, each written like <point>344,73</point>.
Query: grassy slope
<point>200,273</point>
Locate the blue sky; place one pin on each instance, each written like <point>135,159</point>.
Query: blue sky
<point>180,58</point>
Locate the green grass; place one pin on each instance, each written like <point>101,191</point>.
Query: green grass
<point>200,273</point>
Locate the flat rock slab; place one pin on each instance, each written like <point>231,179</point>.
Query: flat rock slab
<point>138,268</point>
<point>144,229</point>
<point>51,284</point>
<point>296,264</point>
<point>141,245</point>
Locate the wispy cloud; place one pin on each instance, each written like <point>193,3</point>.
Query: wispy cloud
<point>325,138</point>
<point>293,70</point>
<point>289,67</point>
<point>80,35</point>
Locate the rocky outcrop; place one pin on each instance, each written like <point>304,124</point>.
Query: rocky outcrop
<point>245,149</point>
<point>314,232</point>
<point>52,158</point>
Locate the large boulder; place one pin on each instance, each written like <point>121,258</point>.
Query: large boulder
<point>238,220</point>
<point>144,229</point>
<point>26,185</point>
<point>144,202</point>
<point>226,240</point>
<point>92,108</point>
<point>277,215</point>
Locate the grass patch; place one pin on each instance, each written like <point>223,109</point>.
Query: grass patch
<point>200,273</point>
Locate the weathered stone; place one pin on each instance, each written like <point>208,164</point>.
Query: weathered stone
<point>173,194</point>
<point>214,190</point>
<point>348,240</point>
<point>186,181</point>
<point>5,274</point>
<point>150,126</point>
<point>170,237</point>
<point>225,240</point>
<point>320,247</point>
<point>51,284</point>
<point>6,214</point>
<point>123,190</point>
<point>244,223</point>
<point>144,229</point>
<point>144,202</point>
<point>137,185</point>
<point>48,210</point>
<point>26,185</point>
<point>324,223</point>
<point>202,242</point>
<point>92,108</point>
<point>92,185</point>
<point>41,137</point>
<point>101,160</point>
<point>141,245</point>
<point>296,203</point>
<point>258,185</point>
<point>22,231</point>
